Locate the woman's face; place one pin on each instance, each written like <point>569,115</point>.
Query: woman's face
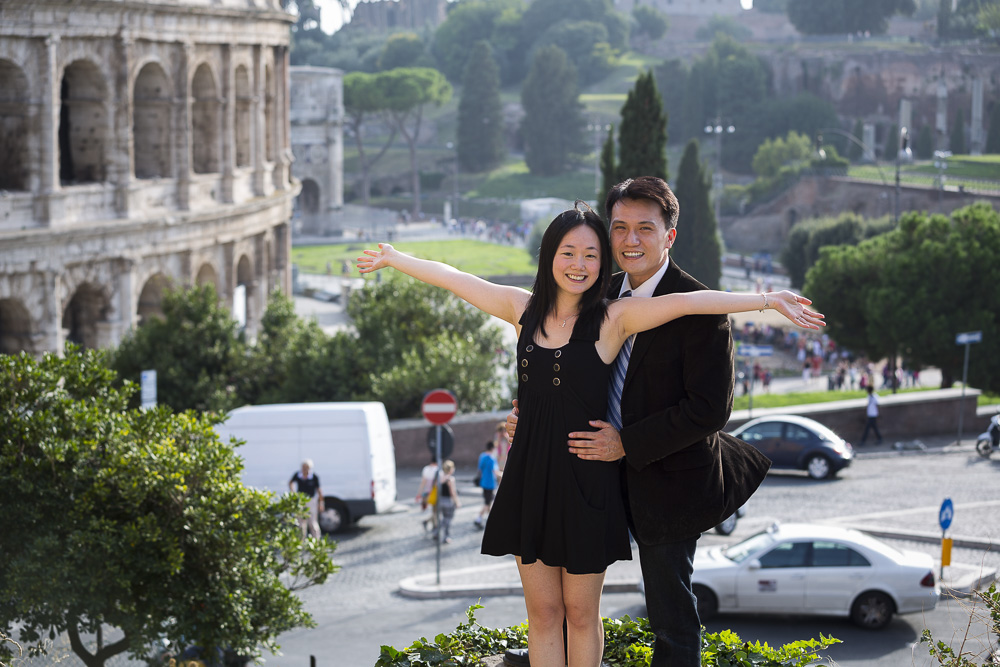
<point>577,264</point>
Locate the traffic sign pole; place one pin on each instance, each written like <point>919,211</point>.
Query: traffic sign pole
<point>438,407</point>
<point>437,505</point>
<point>966,339</point>
<point>945,515</point>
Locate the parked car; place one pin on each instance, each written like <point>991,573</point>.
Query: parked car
<point>814,569</point>
<point>798,443</point>
<point>728,524</point>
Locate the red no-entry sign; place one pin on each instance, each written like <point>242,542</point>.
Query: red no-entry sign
<point>439,406</point>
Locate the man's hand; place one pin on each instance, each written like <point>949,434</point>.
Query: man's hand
<point>512,421</point>
<point>605,444</point>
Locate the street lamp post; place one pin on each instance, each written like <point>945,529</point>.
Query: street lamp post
<point>596,129</point>
<point>941,162</point>
<point>903,152</point>
<point>717,129</point>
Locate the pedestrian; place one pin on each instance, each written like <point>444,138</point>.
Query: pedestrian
<point>568,338</point>
<point>488,476</point>
<point>679,470</point>
<point>306,482</point>
<point>448,501</point>
<point>428,478</point>
<point>871,418</point>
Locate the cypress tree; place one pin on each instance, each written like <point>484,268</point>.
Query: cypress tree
<point>609,172</point>
<point>480,118</point>
<point>642,138</point>
<point>993,135</point>
<point>697,248</point>
<point>855,151</point>
<point>956,142</point>
<point>924,144</point>
<point>553,120</point>
<point>892,143</point>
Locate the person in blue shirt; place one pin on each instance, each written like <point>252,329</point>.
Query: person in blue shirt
<point>488,477</point>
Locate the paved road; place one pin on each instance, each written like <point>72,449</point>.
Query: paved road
<point>361,608</point>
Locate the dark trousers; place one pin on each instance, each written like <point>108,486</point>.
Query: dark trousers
<point>871,424</point>
<point>670,604</point>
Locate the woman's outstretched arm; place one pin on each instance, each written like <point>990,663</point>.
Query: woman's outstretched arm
<point>501,301</point>
<point>635,315</point>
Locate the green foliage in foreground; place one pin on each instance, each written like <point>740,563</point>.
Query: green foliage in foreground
<point>627,643</point>
<point>969,648</point>
<point>135,519</point>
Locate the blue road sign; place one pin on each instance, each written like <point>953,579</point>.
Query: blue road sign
<point>755,350</point>
<point>946,514</point>
<point>969,337</point>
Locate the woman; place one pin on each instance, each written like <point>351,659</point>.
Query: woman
<point>448,500</point>
<point>562,517</point>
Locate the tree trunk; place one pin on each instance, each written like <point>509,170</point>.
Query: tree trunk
<point>102,654</point>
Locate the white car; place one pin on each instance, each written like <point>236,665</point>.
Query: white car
<point>814,569</point>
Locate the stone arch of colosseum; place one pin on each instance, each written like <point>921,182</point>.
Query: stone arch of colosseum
<point>16,326</point>
<point>152,98</point>
<point>152,155</point>
<point>15,112</point>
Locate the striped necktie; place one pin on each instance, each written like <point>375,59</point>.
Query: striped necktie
<point>618,379</point>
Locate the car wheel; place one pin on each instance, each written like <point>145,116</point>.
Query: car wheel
<point>984,447</point>
<point>727,526</point>
<point>334,517</point>
<point>819,467</point>
<point>872,610</point>
<point>708,604</point>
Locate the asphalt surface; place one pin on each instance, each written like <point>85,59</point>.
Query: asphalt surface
<point>958,579</point>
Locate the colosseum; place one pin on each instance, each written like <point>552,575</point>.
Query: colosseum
<point>145,145</point>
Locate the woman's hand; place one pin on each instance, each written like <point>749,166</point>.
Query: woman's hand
<point>373,261</point>
<point>793,306</point>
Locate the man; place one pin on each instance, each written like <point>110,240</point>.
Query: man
<point>428,478</point>
<point>305,482</point>
<point>681,476</point>
<point>871,417</point>
<point>488,474</point>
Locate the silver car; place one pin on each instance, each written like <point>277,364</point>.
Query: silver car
<point>814,569</point>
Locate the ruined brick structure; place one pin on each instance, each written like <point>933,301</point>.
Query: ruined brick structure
<point>146,145</point>
<point>385,15</point>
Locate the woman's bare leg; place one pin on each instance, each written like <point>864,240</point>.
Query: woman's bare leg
<point>543,598</point>
<point>584,627</point>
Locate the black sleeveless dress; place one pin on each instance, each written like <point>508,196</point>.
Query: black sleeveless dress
<point>552,505</point>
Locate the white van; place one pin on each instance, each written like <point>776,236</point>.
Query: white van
<point>350,445</point>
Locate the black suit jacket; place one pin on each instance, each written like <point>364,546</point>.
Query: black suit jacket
<point>682,475</point>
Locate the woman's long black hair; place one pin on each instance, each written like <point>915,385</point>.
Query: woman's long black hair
<point>543,297</point>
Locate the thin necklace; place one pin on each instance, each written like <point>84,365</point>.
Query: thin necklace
<point>566,319</point>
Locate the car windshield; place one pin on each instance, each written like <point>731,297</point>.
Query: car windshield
<point>748,547</point>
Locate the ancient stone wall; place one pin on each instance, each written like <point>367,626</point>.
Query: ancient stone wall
<point>151,149</point>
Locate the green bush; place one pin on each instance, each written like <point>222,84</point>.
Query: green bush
<point>627,643</point>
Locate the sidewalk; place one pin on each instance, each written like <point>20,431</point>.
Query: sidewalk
<point>959,579</point>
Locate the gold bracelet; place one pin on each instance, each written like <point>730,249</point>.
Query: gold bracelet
<point>765,302</point>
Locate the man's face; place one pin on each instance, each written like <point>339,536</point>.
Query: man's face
<point>306,470</point>
<point>639,238</point>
